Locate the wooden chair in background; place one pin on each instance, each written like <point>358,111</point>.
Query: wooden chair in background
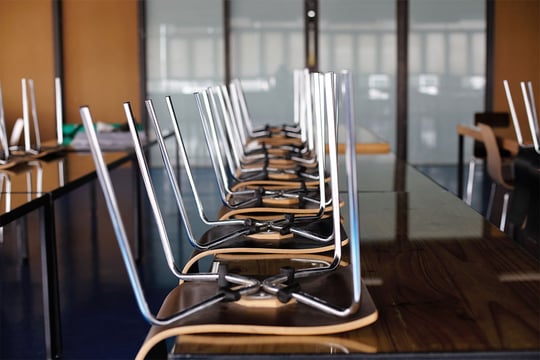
<point>493,119</point>
<point>495,166</point>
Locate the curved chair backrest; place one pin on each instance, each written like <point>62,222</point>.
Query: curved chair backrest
<point>495,120</point>
<point>494,162</point>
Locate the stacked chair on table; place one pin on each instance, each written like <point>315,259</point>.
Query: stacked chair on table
<point>282,261</point>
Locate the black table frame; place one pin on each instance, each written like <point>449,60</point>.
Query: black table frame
<point>49,267</point>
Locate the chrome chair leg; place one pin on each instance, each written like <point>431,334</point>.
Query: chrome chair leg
<point>490,201</point>
<point>470,181</point>
<point>504,211</point>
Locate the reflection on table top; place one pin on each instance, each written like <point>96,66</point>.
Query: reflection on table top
<point>50,174</point>
<point>58,172</point>
<point>419,215</point>
<point>443,280</point>
<point>24,185</point>
<point>384,172</point>
<point>366,143</point>
<point>446,280</point>
<point>376,173</point>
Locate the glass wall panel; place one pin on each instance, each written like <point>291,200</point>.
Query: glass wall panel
<point>446,62</point>
<point>184,48</point>
<point>360,36</point>
<point>446,75</point>
<point>267,44</point>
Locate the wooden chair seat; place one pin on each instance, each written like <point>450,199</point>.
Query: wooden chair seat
<point>278,184</point>
<point>268,344</point>
<point>248,318</point>
<point>271,213</point>
<point>273,241</point>
<point>280,197</point>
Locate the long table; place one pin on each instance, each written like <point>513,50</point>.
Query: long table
<point>36,186</point>
<point>446,283</point>
<point>444,280</point>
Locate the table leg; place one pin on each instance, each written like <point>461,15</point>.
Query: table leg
<point>138,212</point>
<point>93,213</point>
<point>49,270</point>
<point>22,238</point>
<point>460,167</point>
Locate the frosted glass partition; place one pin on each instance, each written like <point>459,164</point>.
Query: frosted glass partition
<point>447,59</point>
<point>184,48</point>
<point>185,52</point>
<point>360,36</point>
<point>267,44</point>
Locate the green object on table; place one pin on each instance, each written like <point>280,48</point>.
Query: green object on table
<point>70,130</point>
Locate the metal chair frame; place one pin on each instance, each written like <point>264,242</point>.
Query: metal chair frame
<point>242,285</point>
<point>274,284</point>
<point>244,120</point>
<point>245,285</point>
<point>245,226</point>
<point>228,135</point>
<point>217,154</point>
<point>256,152</point>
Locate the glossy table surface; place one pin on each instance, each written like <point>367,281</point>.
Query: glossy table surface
<point>445,281</point>
<point>35,185</point>
<point>52,173</point>
<point>56,174</point>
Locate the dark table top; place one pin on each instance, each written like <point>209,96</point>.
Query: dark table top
<point>445,281</point>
